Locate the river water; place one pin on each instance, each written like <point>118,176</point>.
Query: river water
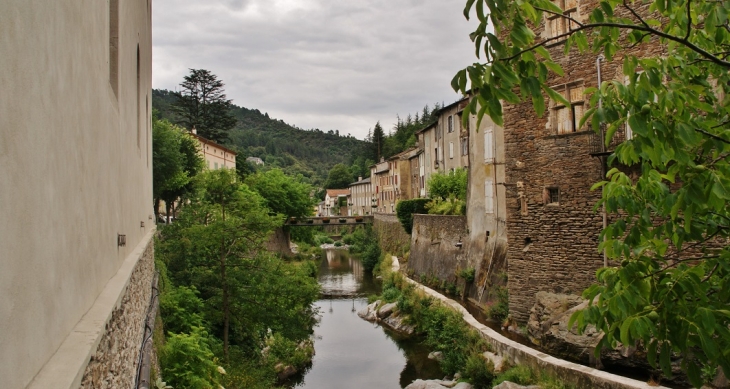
<point>354,353</point>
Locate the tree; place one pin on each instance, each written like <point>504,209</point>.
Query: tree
<point>378,140</point>
<point>339,177</point>
<point>175,161</point>
<point>202,105</point>
<point>672,289</point>
<point>283,194</point>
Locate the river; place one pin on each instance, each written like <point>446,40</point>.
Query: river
<point>354,353</point>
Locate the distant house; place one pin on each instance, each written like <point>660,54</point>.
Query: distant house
<point>361,197</point>
<point>255,160</point>
<point>331,201</point>
<point>215,156</point>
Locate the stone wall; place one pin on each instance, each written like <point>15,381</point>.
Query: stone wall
<point>115,361</point>
<point>391,235</point>
<point>435,249</point>
<point>280,242</point>
<point>553,245</point>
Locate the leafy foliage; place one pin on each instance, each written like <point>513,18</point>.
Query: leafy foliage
<point>182,308</point>
<point>188,362</point>
<point>445,185</point>
<point>283,194</point>
<point>338,177</point>
<point>202,104</point>
<point>672,290</point>
<point>405,209</point>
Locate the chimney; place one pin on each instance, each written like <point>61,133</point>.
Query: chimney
<point>194,131</point>
<point>359,178</point>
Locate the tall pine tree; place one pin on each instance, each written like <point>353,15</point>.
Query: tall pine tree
<point>202,104</point>
<point>378,141</point>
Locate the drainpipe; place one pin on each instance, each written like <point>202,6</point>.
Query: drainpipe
<point>603,158</point>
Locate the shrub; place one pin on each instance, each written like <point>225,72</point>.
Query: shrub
<point>405,209</point>
<point>467,274</point>
<point>450,206</point>
<point>479,371</point>
<point>338,244</point>
<point>182,309</point>
<point>371,256</point>
<point>445,185</point>
<point>500,309</point>
<point>521,375</point>
<point>188,362</point>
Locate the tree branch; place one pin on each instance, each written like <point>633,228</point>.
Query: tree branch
<point>713,136</point>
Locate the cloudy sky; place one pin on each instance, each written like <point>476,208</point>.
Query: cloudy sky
<point>328,64</point>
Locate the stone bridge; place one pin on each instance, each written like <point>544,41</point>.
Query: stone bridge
<point>330,221</point>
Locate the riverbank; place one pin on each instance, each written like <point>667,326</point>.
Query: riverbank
<point>569,373</point>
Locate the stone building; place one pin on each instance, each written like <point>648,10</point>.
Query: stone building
<point>453,138</point>
<point>76,194</point>
<point>428,159</point>
<point>551,162</point>
<point>333,202</point>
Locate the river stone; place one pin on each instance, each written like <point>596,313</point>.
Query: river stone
<point>369,313</point>
<point>397,323</point>
<point>436,355</point>
<point>386,310</point>
<point>438,384</point>
<point>512,385</point>
<point>497,361</point>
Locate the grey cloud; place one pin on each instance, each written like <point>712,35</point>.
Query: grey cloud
<point>326,64</point>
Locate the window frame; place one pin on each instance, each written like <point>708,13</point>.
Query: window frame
<point>555,107</point>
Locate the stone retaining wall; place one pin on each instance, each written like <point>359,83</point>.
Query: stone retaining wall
<point>438,246</point>
<point>115,361</point>
<point>391,235</point>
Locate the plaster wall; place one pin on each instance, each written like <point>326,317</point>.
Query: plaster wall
<point>487,230</point>
<point>76,160</point>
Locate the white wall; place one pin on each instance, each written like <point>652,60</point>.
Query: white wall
<point>73,175</point>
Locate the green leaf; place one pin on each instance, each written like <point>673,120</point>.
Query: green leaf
<point>469,4</point>
<point>557,69</point>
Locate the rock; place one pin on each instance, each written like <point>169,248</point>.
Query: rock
<point>396,322</point>
<point>438,384</point>
<point>457,376</point>
<point>497,361</point>
<point>512,385</point>
<point>284,371</point>
<point>436,355</point>
<point>386,310</point>
<point>369,313</point>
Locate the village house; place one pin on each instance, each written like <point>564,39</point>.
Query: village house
<point>550,164</point>
<point>361,197</point>
<point>335,202</point>
<point>427,140</point>
<point>77,228</point>
<point>453,139</point>
<point>215,156</point>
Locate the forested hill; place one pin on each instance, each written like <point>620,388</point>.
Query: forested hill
<point>309,152</point>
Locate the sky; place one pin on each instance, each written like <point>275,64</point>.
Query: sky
<point>328,64</point>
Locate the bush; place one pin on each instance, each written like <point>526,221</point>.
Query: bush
<point>405,209</point>
<point>467,274</point>
<point>500,309</point>
<point>445,185</point>
<point>521,375</point>
<point>479,370</point>
<point>450,206</point>
<point>188,362</point>
<point>338,244</point>
<point>371,256</point>
<point>182,309</point>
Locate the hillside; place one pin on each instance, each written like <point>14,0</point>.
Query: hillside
<point>311,153</point>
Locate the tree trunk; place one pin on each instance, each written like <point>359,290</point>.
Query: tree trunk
<point>157,208</point>
<point>224,286</point>
<point>167,206</point>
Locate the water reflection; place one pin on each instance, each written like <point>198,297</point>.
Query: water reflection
<point>354,353</point>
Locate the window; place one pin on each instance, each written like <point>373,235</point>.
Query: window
<point>451,150</point>
<point>464,146</point>
<point>567,118</point>
<point>216,165</point>
<point>489,196</point>
<point>489,145</point>
<point>114,45</point>
<point>451,123</point>
<point>557,25</point>
<point>553,196</point>
<point>139,113</point>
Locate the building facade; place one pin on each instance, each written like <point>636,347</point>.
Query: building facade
<point>76,193</point>
<point>333,201</point>
<point>361,197</point>
<point>215,156</point>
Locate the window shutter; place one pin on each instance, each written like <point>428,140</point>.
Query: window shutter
<point>489,145</point>
<point>451,150</point>
<point>489,196</point>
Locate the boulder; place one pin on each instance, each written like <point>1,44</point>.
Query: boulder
<point>370,313</point>
<point>396,322</point>
<point>436,355</point>
<point>386,310</point>
<point>497,361</point>
<point>512,385</point>
<point>284,371</point>
<point>438,384</point>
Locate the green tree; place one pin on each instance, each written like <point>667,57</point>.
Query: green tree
<point>378,141</point>
<point>339,177</point>
<point>202,104</point>
<point>672,289</point>
<point>175,161</point>
<point>283,194</point>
